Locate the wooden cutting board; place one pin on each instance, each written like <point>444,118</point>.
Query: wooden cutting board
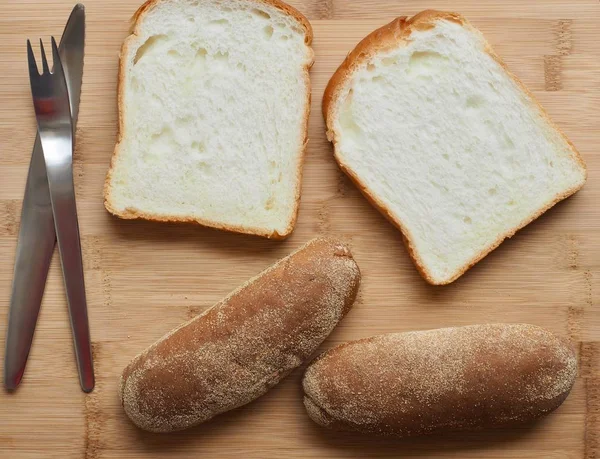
<point>145,278</point>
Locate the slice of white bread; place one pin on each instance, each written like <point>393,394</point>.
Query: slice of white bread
<point>446,142</point>
<point>213,104</point>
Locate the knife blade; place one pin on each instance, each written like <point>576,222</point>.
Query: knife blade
<point>37,235</point>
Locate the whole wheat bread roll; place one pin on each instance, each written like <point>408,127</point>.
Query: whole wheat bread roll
<point>423,382</point>
<point>241,347</point>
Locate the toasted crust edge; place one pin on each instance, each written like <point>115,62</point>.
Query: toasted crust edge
<point>132,214</point>
<point>387,37</point>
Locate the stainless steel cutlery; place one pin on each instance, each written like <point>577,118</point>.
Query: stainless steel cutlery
<point>49,211</point>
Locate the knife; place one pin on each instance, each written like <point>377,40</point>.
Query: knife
<point>37,235</point>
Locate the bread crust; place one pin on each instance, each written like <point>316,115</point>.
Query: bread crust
<point>132,214</point>
<point>245,344</point>
<point>464,378</point>
<point>388,37</point>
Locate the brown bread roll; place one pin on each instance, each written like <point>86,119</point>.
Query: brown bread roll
<point>423,382</point>
<point>241,347</point>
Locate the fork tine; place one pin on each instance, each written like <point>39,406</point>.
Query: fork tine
<point>33,69</point>
<point>44,60</point>
<point>56,63</point>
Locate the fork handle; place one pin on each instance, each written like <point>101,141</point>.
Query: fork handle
<point>62,193</point>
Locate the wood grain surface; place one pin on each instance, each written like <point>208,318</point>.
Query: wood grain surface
<point>145,278</point>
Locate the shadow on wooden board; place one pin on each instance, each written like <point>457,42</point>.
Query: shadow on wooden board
<point>345,444</point>
<point>360,445</point>
<point>174,233</point>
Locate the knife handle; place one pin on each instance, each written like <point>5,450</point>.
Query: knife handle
<point>32,260</point>
<point>62,193</point>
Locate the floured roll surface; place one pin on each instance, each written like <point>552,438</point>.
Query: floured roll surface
<point>241,347</point>
<point>440,380</point>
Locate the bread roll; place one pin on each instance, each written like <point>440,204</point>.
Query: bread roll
<point>237,350</point>
<point>440,380</point>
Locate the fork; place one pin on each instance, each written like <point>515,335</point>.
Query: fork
<point>55,126</point>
